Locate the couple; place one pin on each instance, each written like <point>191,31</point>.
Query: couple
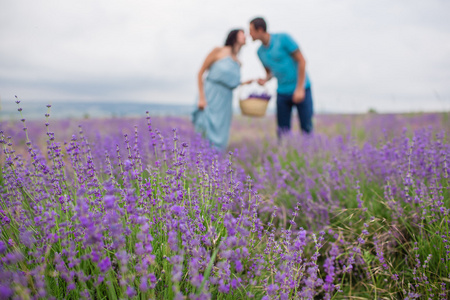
<point>281,58</point>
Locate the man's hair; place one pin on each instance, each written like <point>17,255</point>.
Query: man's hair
<point>259,23</point>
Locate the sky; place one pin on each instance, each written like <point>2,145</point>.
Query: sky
<point>387,55</point>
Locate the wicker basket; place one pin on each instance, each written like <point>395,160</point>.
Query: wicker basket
<point>254,107</point>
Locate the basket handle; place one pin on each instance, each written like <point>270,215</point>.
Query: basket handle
<point>240,88</point>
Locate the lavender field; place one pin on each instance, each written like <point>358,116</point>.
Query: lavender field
<point>143,208</point>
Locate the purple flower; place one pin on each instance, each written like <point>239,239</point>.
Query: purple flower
<point>139,249</point>
<point>109,201</point>
<point>3,247</point>
<point>95,256</point>
<point>5,292</point>
<point>272,289</point>
<point>27,238</point>
<point>130,292</point>
<point>71,286</point>
<point>197,280</point>
<point>105,264</point>
<point>173,240</point>
<point>238,266</point>
<point>234,283</point>
<point>128,165</point>
<point>177,210</point>
<point>224,288</point>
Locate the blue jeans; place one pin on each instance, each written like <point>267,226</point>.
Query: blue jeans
<point>284,112</point>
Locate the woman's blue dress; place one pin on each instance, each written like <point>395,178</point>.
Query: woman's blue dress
<point>215,120</point>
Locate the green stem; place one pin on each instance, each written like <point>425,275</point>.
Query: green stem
<point>208,271</point>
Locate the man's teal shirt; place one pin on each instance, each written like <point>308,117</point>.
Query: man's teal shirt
<point>277,58</point>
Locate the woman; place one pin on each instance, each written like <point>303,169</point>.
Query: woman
<point>213,115</point>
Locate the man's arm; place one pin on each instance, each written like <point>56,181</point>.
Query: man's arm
<point>299,93</point>
<point>269,76</point>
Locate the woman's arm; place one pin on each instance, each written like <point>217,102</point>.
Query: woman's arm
<point>247,82</point>
<point>209,60</point>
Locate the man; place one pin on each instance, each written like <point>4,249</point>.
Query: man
<point>281,57</point>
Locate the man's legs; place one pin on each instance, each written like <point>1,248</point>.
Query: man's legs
<point>284,109</point>
<point>305,112</point>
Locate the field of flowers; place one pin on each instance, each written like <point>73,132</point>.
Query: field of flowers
<point>145,209</point>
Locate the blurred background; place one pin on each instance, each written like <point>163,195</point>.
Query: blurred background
<point>118,58</point>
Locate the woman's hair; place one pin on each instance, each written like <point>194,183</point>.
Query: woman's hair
<point>232,37</point>
<point>259,23</point>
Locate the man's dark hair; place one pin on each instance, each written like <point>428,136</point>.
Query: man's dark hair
<point>259,23</point>
<point>232,37</point>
